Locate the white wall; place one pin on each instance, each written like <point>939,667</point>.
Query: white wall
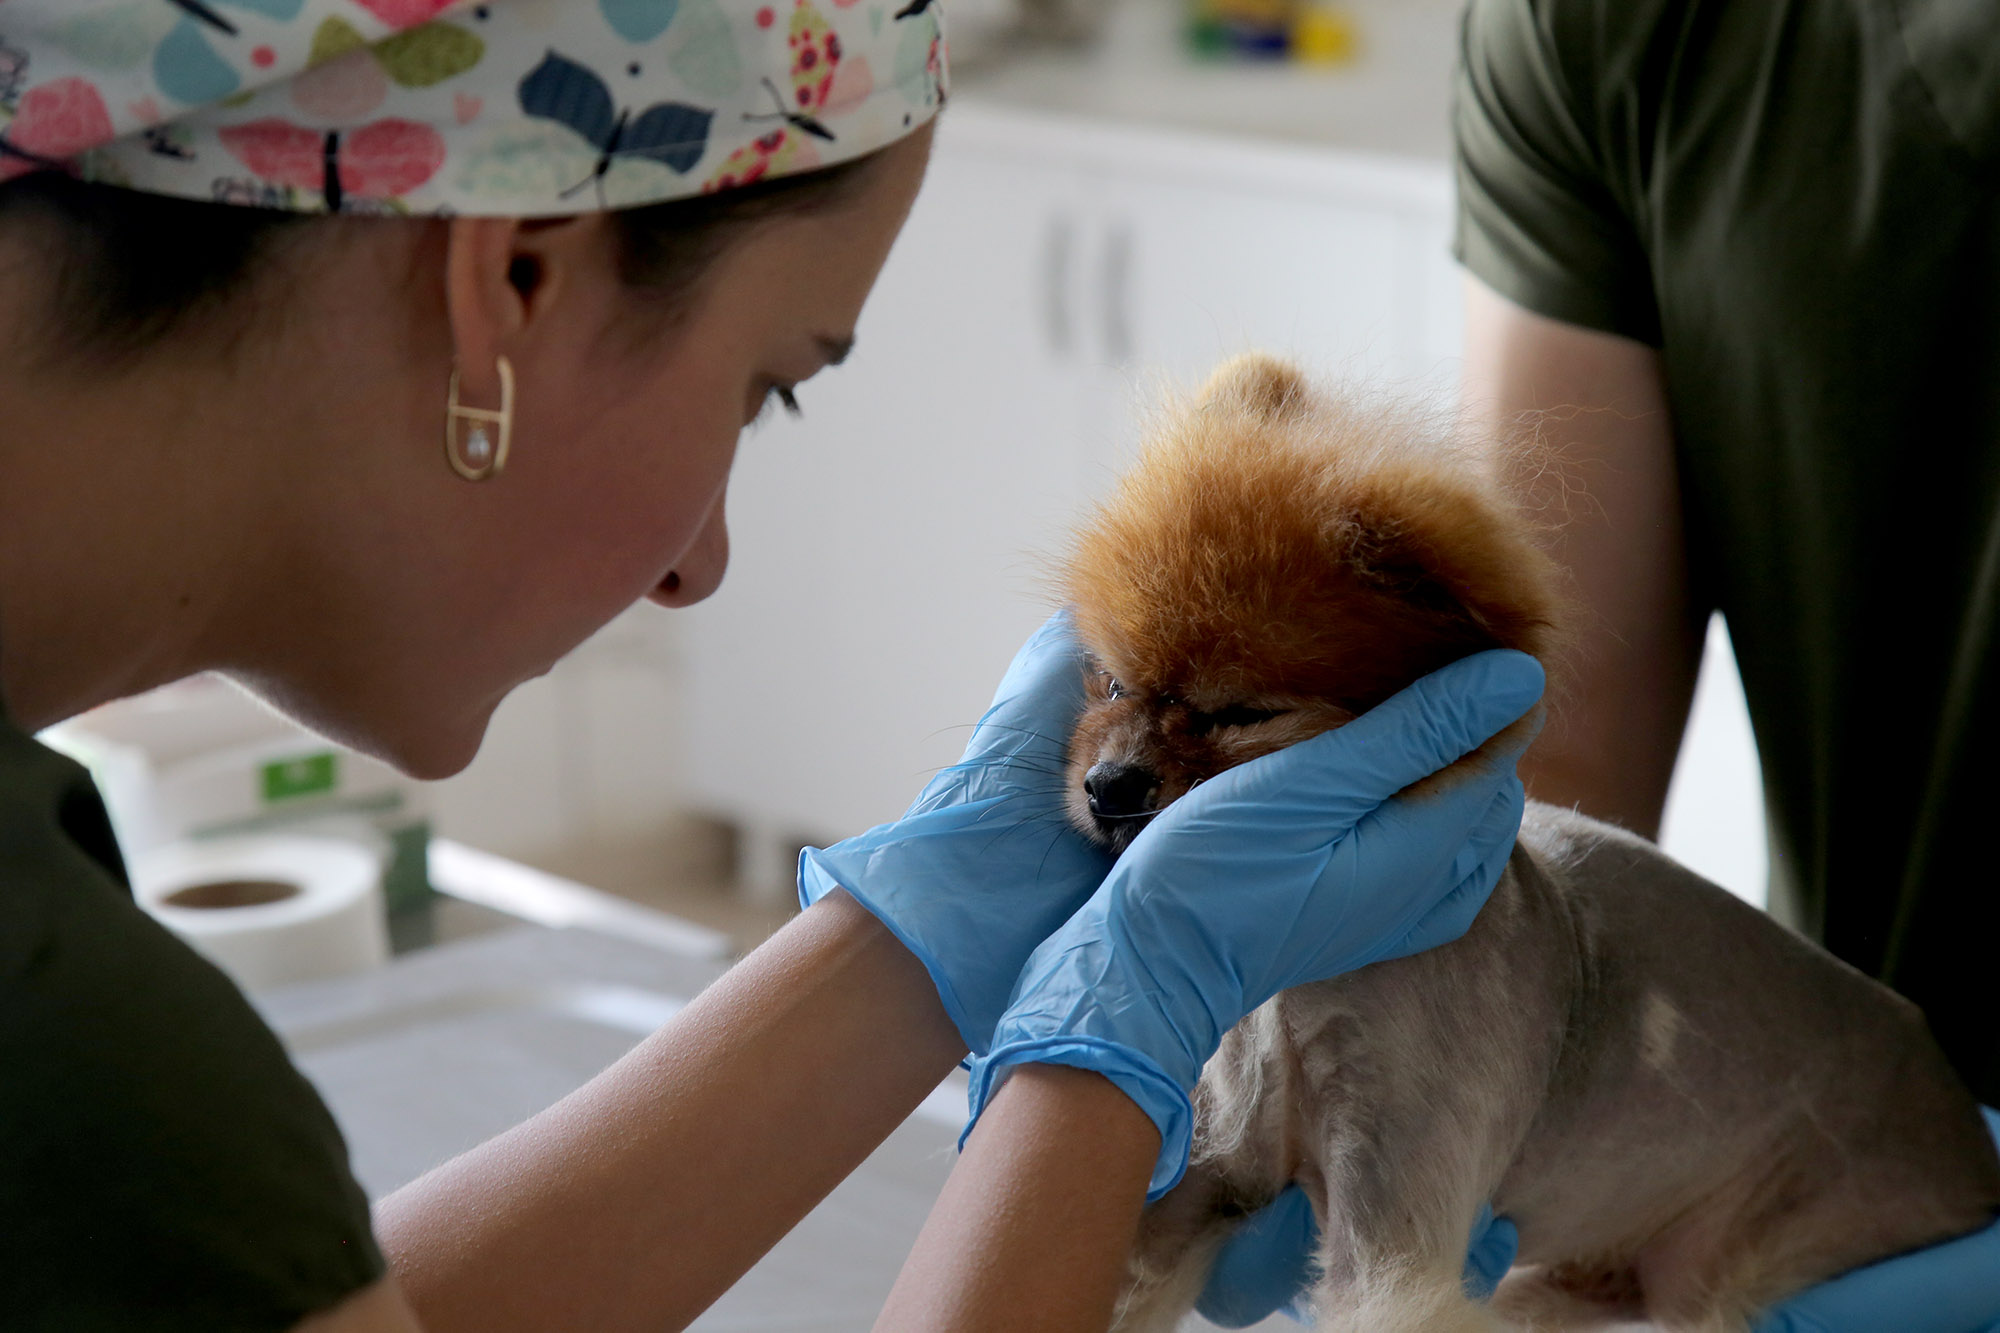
<point>594,749</point>
<point>1715,805</point>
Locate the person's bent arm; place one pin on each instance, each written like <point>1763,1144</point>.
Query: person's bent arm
<point>640,1198</point>
<point>1031,1233</point>
<point>1034,1226</point>
<point>1599,400</point>
<point>637,1200</point>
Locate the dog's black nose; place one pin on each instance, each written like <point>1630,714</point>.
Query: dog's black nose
<point>1119,791</point>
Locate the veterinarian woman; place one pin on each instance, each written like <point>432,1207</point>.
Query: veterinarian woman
<point>383,466</point>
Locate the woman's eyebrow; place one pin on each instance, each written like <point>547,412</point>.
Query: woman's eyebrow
<point>834,349</point>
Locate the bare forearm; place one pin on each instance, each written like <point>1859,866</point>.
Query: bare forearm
<point>1606,477</point>
<point>640,1198</point>
<point>1034,1227</point>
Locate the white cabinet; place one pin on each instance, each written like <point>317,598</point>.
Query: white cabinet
<point>1211,249</point>
<point>890,549</point>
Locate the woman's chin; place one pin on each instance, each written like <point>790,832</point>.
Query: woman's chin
<point>433,758</point>
<point>423,742</point>
<point>429,747</point>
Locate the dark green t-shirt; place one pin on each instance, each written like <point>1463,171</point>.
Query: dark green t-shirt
<point>162,1165</point>
<point>1798,203</point>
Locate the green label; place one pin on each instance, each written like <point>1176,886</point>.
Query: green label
<point>307,776</point>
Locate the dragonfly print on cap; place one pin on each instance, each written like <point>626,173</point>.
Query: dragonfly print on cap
<point>824,80</point>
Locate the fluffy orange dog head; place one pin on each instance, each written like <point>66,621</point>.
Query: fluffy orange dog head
<point>1279,561</point>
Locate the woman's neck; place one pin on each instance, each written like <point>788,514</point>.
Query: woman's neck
<point>119,517</point>
<point>221,498</point>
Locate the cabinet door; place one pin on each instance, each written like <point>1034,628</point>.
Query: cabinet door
<point>886,547</point>
<point>1324,261</point>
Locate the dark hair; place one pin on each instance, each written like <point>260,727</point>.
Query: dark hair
<point>129,268</point>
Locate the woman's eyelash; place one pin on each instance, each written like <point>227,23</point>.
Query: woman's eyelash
<point>784,395</point>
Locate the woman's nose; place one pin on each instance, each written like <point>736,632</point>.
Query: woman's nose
<point>699,572</point>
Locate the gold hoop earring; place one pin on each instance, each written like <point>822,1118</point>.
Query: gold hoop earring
<point>476,438</point>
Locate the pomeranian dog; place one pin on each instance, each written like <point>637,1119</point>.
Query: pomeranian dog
<point>1689,1112</point>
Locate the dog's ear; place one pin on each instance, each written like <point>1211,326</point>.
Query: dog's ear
<point>1458,563</point>
<point>1260,384</point>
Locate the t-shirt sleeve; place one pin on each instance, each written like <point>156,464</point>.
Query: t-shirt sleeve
<point>1540,214</point>
<point>162,1164</point>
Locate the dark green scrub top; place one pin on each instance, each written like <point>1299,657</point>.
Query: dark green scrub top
<point>1798,203</point>
<point>162,1165</point>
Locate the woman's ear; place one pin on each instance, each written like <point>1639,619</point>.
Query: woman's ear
<point>505,276</point>
<point>483,306</point>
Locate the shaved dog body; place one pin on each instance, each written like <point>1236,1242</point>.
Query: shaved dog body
<point>1689,1112</point>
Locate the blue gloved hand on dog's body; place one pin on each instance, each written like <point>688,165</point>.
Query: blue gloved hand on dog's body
<point>1290,868</point>
<point>1948,1288</point>
<point>1954,1287</point>
<point>1267,1266</point>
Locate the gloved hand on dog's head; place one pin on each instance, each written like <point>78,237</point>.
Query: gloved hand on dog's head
<point>984,864</point>
<point>1293,867</point>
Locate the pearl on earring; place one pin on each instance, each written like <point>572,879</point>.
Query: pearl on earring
<point>482,450</point>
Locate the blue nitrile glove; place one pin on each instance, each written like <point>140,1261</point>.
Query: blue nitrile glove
<point>985,863</point>
<point>1290,868</point>
<point>1266,1266</point>
<point>1489,1252</point>
<point>1948,1288</point>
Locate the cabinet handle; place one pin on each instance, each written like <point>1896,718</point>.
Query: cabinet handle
<point>1118,293</point>
<point>1057,240</point>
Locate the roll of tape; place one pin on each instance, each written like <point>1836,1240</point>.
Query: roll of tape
<point>269,909</point>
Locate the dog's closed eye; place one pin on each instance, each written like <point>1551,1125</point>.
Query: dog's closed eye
<point>1198,722</point>
<point>1235,715</point>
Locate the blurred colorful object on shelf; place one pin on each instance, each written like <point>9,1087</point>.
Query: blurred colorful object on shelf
<point>1242,29</point>
<point>1325,34</point>
<point>1312,32</point>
